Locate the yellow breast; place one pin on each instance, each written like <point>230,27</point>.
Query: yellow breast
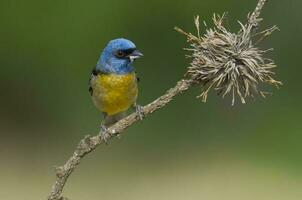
<point>114,93</point>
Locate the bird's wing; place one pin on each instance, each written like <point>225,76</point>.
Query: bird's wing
<point>137,77</point>
<point>93,74</point>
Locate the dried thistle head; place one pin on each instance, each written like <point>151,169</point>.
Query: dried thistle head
<point>230,63</point>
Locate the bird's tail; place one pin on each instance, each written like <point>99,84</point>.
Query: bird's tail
<point>112,119</point>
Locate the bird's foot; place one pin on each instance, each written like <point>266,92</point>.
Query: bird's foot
<point>139,111</point>
<point>104,133</point>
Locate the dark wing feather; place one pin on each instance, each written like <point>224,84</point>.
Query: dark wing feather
<point>137,78</point>
<point>93,74</point>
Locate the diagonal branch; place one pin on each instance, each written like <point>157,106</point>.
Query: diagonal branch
<point>89,143</point>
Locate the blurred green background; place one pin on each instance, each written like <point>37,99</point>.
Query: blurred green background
<point>188,150</point>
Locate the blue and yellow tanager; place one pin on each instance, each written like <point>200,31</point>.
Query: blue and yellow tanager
<point>113,82</point>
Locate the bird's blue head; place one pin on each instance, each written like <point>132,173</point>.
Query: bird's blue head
<point>118,56</point>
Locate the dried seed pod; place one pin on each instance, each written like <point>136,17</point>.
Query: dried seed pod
<point>230,63</point>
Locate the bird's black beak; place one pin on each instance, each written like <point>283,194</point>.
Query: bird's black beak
<point>134,55</point>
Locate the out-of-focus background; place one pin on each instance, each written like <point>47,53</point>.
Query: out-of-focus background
<point>188,150</point>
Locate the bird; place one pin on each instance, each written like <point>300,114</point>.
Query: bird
<point>113,83</point>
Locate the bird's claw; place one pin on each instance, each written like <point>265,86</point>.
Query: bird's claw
<point>139,111</point>
<point>104,133</point>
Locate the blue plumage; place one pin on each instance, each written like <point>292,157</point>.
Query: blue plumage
<point>109,62</point>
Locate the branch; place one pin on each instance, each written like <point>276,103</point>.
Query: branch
<point>89,143</point>
<point>254,19</point>
<point>215,65</point>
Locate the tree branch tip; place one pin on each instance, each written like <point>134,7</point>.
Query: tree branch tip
<point>181,31</point>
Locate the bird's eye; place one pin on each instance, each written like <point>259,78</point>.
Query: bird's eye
<point>120,54</point>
